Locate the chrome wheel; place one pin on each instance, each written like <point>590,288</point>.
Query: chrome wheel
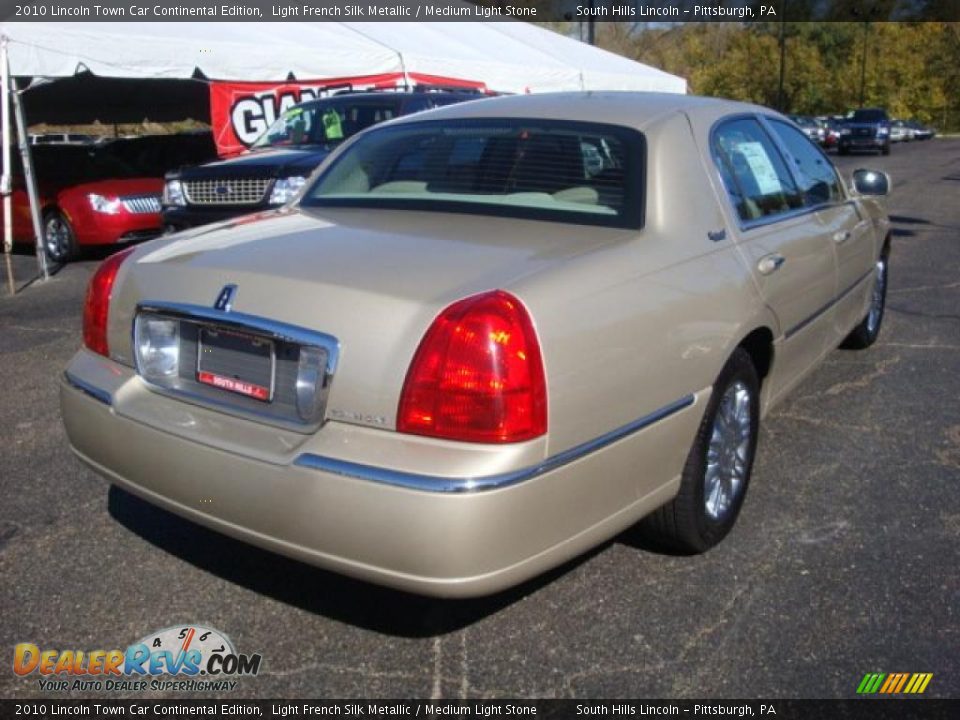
<point>57,237</point>
<point>879,297</point>
<point>728,453</point>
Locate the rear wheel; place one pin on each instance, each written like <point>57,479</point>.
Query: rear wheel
<point>717,471</point>
<point>885,150</point>
<point>58,239</point>
<point>866,333</point>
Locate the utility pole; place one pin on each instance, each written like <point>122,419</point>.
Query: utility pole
<point>783,56</point>
<point>863,62</point>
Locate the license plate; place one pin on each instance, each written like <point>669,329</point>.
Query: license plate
<point>237,363</point>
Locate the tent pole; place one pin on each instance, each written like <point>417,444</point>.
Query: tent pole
<point>6,180</point>
<point>30,179</point>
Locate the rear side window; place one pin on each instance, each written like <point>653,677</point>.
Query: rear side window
<point>584,173</point>
<point>753,171</point>
<point>813,170</point>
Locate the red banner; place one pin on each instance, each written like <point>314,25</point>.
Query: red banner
<point>240,112</point>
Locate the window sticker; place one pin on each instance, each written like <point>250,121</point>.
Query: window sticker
<point>332,128</point>
<point>763,171</point>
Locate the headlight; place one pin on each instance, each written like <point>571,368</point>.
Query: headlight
<point>157,347</point>
<point>883,131</point>
<point>285,188</point>
<point>109,206</point>
<point>844,131</point>
<point>173,193</point>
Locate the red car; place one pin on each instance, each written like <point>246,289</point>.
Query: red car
<point>96,195</point>
<point>105,212</point>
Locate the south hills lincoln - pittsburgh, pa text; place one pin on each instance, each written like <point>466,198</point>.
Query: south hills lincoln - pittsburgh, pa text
<point>697,11</point>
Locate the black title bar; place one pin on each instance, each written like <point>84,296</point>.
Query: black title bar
<point>873,709</point>
<point>630,11</point>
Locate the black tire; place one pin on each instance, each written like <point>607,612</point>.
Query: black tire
<point>59,241</point>
<point>843,150</point>
<point>687,524</point>
<point>885,150</point>
<point>866,333</point>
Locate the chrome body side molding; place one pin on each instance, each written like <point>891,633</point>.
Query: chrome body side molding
<point>803,323</point>
<point>432,483</point>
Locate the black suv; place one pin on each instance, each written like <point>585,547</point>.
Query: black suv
<point>280,161</point>
<point>865,129</point>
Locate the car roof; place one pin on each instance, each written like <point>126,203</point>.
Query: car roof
<point>395,95</point>
<point>630,109</point>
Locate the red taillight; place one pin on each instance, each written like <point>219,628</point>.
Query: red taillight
<point>96,308</point>
<point>477,375</point>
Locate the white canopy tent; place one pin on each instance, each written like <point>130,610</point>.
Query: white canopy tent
<point>509,57</point>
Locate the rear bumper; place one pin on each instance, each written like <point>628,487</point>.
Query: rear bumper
<point>394,529</point>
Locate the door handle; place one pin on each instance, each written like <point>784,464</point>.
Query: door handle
<point>841,236</point>
<point>770,263</point>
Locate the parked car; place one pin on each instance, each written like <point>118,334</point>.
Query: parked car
<point>920,131</point>
<point>471,351</point>
<point>832,130</point>
<point>86,198</point>
<point>866,129</point>
<point>93,198</point>
<point>104,194</point>
<point>280,161</point>
<point>901,131</point>
<point>811,128</point>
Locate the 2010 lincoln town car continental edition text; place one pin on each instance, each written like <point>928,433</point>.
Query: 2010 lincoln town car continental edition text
<point>485,338</point>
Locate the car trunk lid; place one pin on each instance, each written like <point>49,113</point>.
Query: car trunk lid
<point>374,281</point>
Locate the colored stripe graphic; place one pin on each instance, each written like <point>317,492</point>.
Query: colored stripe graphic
<point>870,683</point>
<point>919,682</point>
<point>903,679</point>
<point>894,683</point>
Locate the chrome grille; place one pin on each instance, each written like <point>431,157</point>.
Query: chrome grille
<point>234,191</point>
<point>141,204</point>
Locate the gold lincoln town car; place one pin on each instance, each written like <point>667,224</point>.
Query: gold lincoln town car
<point>486,338</point>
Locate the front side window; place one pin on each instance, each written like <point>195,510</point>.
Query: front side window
<point>753,171</point>
<point>813,170</point>
<point>325,123</point>
<point>552,170</point>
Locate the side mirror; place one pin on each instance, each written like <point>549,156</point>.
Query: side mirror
<point>871,182</point>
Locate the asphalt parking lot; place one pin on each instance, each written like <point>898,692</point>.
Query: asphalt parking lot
<point>846,559</point>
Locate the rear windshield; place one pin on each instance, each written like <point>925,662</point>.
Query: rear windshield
<point>583,173</point>
<point>869,116</point>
